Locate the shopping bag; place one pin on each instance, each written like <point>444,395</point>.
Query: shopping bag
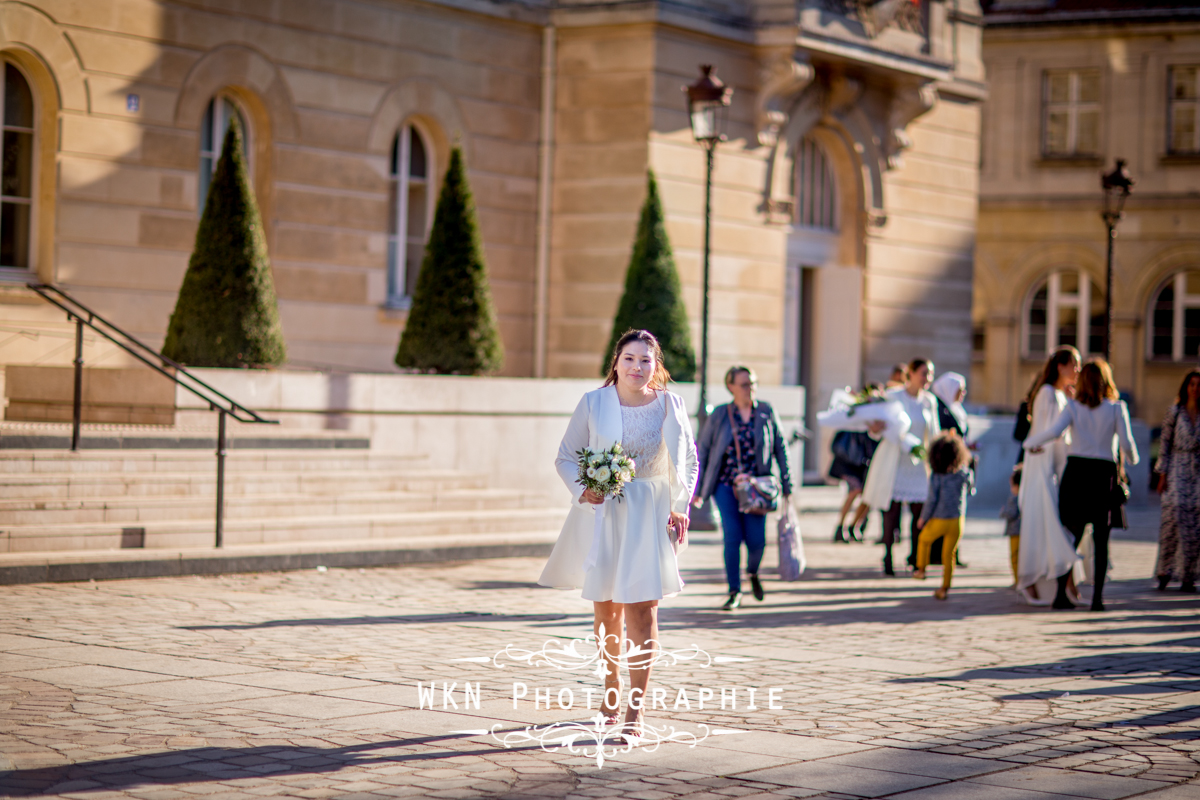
<point>791,547</point>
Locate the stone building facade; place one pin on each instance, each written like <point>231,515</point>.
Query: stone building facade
<point>1074,85</point>
<point>844,201</point>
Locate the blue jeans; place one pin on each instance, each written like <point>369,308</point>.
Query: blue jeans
<point>737,528</point>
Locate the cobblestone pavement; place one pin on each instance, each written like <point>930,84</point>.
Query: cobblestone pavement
<point>306,685</point>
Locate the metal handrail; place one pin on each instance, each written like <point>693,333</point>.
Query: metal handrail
<point>218,401</point>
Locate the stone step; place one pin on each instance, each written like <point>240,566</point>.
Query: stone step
<point>242,482</point>
<point>82,565</point>
<point>293,530</point>
<point>134,511</point>
<point>35,462</point>
<point>51,436</point>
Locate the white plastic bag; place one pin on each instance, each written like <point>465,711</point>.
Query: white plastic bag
<point>791,547</point>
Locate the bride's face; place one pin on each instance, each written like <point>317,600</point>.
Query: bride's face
<point>1068,373</point>
<point>635,366</point>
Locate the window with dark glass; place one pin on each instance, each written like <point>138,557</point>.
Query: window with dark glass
<point>815,189</point>
<point>408,214</point>
<point>1067,308</point>
<point>1071,112</point>
<point>217,116</point>
<point>1174,333</point>
<point>1183,97</point>
<point>16,179</point>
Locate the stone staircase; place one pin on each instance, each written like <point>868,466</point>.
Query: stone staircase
<point>162,499</point>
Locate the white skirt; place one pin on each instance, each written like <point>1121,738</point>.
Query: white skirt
<point>636,559</point>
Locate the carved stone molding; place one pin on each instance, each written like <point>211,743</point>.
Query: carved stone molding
<point>908,103</point>
<point>840,93</point>
<point>780,78</point>
<point>877,15</point>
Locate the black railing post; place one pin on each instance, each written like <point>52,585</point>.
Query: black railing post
<point>77,408</point>
<point>220,477</point>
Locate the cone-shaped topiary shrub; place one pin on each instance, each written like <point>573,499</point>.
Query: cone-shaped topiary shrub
<point>226,315</point>
<point>451,326</point>
<point>652,299</point>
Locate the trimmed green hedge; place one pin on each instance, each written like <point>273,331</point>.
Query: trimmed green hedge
<point>653,295</point>
<point>226,313</point>
<point>451,326</point>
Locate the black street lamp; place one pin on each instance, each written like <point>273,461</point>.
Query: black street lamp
<point>707,103</point>
<point>1117,186</point>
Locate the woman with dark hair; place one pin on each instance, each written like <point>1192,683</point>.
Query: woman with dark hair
<point>1178,471</point>
<point>1099,423</point>
<point>741,440</point>
<point>1044,552</point>
<point>626,562</point>
<point>904,480</point>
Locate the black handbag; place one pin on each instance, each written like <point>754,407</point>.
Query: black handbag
<point>757,495</point>
<point>1119,496</point>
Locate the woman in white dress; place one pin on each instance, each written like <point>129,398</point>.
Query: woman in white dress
<point>1045,552</point>
<point>623,553</point>
<point>1099,425</point>
<point>889,486</point>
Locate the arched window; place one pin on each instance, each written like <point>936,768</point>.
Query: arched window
<point>1066,308</point>
<point>16,181</point>
<point>1175,319</point>
<point>217,116</point>
<point>409,212</point>
<point>815,189</point>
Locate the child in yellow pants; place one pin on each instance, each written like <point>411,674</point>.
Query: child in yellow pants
<point>945,505</point>
<point>1011,514</point>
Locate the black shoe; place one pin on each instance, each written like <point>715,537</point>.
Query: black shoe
<point>756,587</point>
<point>1163,580</point>
<point>735,600</point>
<point>1062,604</point>
<point>839,536</point>
<point>958,562</point>
<point>1188,586</point>
<point>1097,605</point>
<point>857,536</point>
<point>887,566</point>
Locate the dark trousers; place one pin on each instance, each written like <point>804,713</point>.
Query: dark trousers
<point>891,528</point>
<point>1100,536</point>
<point>738,528</point>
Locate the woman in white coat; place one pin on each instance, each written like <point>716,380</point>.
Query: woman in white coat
<point>623,554</point>
<point>1045,552</point>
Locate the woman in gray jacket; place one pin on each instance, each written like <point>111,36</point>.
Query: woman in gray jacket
<point>753,428</point>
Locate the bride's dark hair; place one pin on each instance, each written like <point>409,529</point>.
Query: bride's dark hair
<point>660,377</point>
<point>1059,358</point>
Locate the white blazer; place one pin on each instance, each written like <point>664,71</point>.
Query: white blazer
<point>596,424</point>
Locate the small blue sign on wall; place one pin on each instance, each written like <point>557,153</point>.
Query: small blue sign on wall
<point>133,103</point>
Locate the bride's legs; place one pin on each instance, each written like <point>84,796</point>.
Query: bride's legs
<point>642,622</point>
<point>610,615</point>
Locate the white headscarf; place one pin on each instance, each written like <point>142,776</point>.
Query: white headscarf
<point>946,387</point>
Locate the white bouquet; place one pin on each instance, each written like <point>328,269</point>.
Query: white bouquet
<point>850,412</point>
<point>607,471</point>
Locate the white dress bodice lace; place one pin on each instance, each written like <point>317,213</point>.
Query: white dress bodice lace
<point>641,436</point>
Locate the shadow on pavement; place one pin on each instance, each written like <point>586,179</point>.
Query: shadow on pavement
<point>394,619</point>
<point>216,764</point>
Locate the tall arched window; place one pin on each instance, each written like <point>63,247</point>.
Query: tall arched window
<point>815,189</point>
<point>1175,319</point>
<point>1066,308</point>
<point>217,116</point>
<point>409,212</point>
<point>16,180</point>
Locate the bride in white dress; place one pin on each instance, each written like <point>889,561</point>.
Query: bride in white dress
<point>1045,551</point>
<point>627,560</point>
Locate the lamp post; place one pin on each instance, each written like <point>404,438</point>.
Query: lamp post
<point>707,102</point>
<point>1117,186</point>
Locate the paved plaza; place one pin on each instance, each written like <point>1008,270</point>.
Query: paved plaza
<point>305,684</point>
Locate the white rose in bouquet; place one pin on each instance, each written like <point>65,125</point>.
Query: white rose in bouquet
<point>603,474</point>
<point>591,472</point>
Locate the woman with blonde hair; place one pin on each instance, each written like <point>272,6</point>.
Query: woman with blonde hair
<point>1089,492</point>
<point>626,561</point>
